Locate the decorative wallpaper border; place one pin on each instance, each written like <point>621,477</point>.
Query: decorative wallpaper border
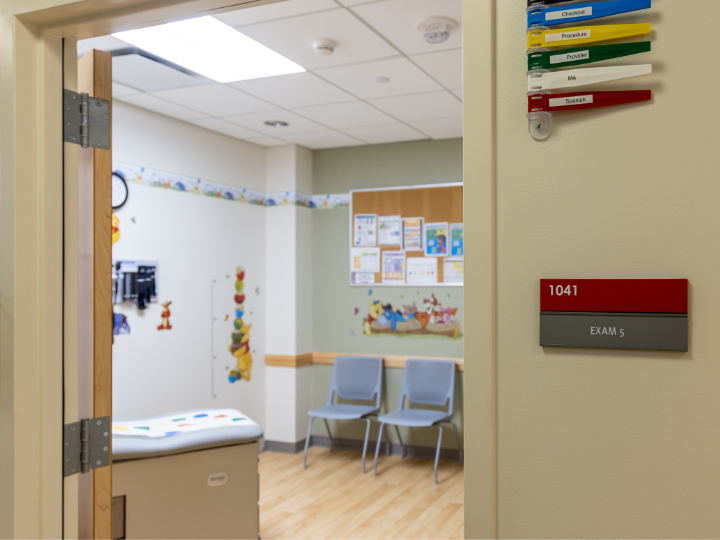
<point>148,177</point>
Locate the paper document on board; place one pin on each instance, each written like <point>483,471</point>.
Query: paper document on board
<point>422,270</point>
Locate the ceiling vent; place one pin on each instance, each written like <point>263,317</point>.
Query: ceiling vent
<point>436,30</point>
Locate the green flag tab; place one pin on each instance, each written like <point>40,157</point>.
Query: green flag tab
<point>550,59</point>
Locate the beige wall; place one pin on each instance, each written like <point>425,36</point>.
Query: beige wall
<point>595,444</point>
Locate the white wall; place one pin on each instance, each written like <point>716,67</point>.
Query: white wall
<point>196,240</point>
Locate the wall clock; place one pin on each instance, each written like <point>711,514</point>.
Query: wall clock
<point>119,190</point>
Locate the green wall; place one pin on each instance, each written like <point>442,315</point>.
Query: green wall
<point>336,325</point>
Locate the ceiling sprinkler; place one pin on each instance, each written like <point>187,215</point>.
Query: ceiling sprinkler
<point>436,29</point>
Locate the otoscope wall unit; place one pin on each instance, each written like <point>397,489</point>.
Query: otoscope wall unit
<point>135,281</point>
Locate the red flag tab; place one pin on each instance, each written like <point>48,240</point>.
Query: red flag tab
<point>615,295</point>
<point>584,100</point>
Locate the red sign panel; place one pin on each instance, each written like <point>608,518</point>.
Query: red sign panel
<point>615,295</point>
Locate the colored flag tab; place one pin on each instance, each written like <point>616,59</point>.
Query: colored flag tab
<point>577,56</point>
<point>543,15</point>
<point>551,80</point>
<point>584,100</point>
<point>578,35</point>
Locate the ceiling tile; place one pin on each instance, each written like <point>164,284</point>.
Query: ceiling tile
<point>226,128</point>
<point>293,38</point>
<point>155,104</point>
<point>356,2</point>
<point>344,115</point>
<point>323,139</point>
<point>397,20</point>
<point>219,100</point>
<point>256,122</point>
<point>388,133</point>
<point>148,75</point>
<point>104,43</point>
<point>297,90</point>
<point>444,66</point>
<point>281,10</point>
<point>122,90</point>
<point>443,128</point>
<point>267,141</point>
<point>361,79</point>
<point>417,107</point>
<point>458,93</point>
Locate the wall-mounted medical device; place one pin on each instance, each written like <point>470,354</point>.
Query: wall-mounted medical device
<point>135,281</point>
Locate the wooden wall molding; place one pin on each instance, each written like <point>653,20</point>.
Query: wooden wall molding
<point>328,359</point>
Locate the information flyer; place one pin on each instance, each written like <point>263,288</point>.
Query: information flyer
<point>454,271</point>
<point>365,230</point>
<point>389,230</point>
<point>362,278</point>
<point>365,260</point>
<point>413,234</point>
<point>422,271</point>
<point>457,243</point>
<point>436,235</point>
<point>393,267</point>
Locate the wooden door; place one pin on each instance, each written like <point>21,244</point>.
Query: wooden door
<point>94,77</point>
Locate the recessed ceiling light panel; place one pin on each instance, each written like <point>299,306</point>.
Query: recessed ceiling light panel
<point>211,48</point>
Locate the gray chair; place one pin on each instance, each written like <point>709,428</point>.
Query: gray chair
<point>425,382</point>
<point>357,378</point>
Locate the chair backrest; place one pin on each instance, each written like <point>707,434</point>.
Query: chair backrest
<point>428,382</point>
<point>356,377</point>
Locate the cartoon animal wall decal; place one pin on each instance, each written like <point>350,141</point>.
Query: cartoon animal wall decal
<point>240,347</point>
<point>165,325</point>
<point>432,319</point>
<point>115,228</point>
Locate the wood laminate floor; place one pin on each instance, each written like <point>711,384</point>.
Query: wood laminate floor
<point>333,499</point>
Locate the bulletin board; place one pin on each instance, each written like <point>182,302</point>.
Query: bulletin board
<point>435,204</point>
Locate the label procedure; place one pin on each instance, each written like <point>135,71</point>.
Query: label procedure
<point>571,14</point>
<point>570,57</point>
<point>567,36</point>
<point>575,100</point>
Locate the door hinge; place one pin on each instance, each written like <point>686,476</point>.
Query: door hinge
<point>86,445</point>
<point>86,120</point>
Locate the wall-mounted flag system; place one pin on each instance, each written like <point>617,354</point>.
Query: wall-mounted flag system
<point>644,314</point>
<point>544,56</point>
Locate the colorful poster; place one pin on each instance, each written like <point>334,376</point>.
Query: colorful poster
<point>422,271</point>
<point>393,267</point>
<point>412,234</point>
<point>453,270</point>
<point>457,240</point>
<point>389,229</point>
<point>436,235</point>
<point>362,278</point>
<point>365,230</point>
<point>365,260</point>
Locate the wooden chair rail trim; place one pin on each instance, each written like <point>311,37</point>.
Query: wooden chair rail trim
<point>328,359</point>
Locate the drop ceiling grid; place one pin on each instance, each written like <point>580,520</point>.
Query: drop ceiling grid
<point>412,126</point>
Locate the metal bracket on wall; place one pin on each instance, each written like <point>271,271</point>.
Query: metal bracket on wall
<point>86,445</point>
<point>86,120</point>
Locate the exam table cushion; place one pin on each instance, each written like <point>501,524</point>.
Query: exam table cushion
<point>181,432</point>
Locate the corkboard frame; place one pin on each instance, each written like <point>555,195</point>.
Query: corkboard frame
<point>435,203</point>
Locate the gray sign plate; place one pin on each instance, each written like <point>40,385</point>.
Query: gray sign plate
<point>636,331</point>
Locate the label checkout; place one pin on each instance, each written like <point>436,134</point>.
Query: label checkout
<point>546,80</point>
<point>544,37</point>
<point>578,56</point>
<point>542,15</point>
<point>584,100</point>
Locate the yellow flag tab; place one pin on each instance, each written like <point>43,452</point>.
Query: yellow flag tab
<point>580,35</point>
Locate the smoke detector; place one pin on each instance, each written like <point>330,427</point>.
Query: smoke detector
<point>324,46</point>
<point>436,30</point>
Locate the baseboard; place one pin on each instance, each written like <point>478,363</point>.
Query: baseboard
<point>423,452</point>
<point>284,447</point>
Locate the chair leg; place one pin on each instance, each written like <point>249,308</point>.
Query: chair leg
<point>402,446</point>
<point>457,438</point>
<point>329,434</point>
<point>387,442</point>
<point>307,442</point>
<point>367,436</point>
<point>437,453</point>
<point>377,447</point>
